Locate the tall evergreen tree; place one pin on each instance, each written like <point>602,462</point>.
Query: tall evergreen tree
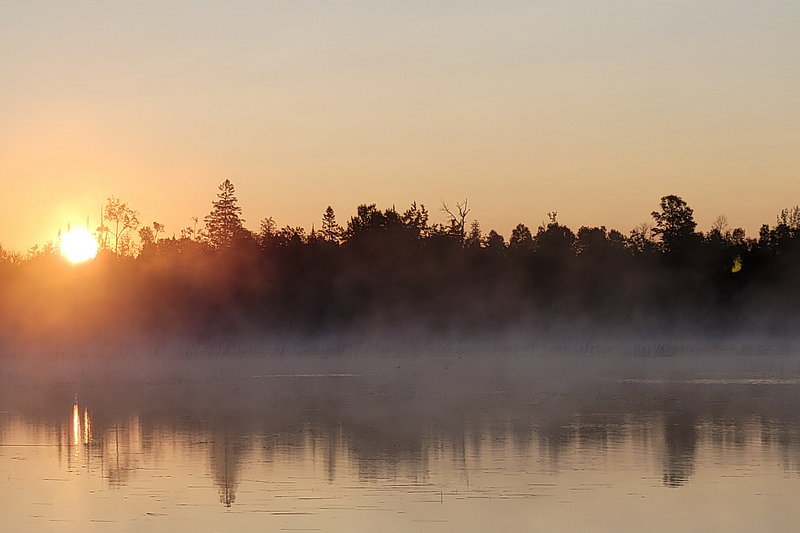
<point>331,231</point>
<point>224,222</point>
<point>474,237</point>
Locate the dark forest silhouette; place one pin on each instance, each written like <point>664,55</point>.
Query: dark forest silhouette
<point>391,270</point>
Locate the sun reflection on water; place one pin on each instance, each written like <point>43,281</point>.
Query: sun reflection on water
<point>80,433</point>
<point>76,424</point>
<point>274,462</point>
<point>87,428</point>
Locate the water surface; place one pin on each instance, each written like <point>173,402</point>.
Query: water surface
<point>423,442</point>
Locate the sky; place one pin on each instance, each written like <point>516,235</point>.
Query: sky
<point>591,109</point>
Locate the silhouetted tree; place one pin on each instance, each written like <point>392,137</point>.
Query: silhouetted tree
<point>597,242</point>
<point>640,240</point>
<point>416,219</point>
<point>394,269</point>
<point>123,219</point>
<point>675,224</point>
<point>456,225</point>
<point>555,241</point>
<point>720,224</point>
<point>267,233</point>
<point>494,241</point>
<point>521,238</point>
<point>9,257</point>
<point>790,218</point>
<point>721,237</point>
<point>783,239</point>
<point>474,237</point>
<point>224,222</point>
<point>289,236</point>
<point>331,231</point>
<point>368,218</point>
<point>147,236</point>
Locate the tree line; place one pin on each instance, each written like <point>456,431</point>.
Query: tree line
<point>395,270</point>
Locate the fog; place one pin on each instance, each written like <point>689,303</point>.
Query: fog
<point>392,275</point>
<point>399,400</point>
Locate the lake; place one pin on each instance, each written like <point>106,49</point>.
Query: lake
<point>559,438</point>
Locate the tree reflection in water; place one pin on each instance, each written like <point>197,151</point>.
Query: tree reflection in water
<point>391,424</point>
<point>680,443</point>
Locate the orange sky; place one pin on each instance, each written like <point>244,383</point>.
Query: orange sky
<point>594,111</point>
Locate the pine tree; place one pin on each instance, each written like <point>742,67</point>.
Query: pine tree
<point>475,237</point>
<point>224,222</point>
<point>331,231</point>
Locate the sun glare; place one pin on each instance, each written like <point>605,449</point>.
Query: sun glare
<point>79,245</point>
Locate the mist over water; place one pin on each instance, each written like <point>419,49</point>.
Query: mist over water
<point>398,274</point>
<point>625,438</point>
<point>198,366</point>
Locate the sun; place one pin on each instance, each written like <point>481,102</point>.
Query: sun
<point>79,245</point>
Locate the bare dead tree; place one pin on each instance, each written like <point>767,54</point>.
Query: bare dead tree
<point>720,224</point>
<point>457,218</point>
